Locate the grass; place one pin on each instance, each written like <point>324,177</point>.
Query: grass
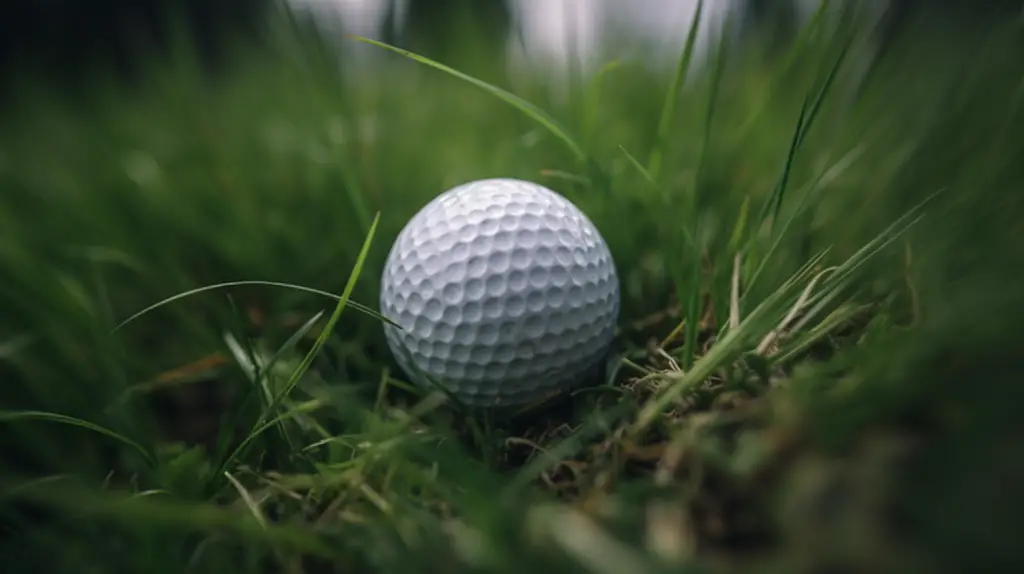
<point>817,365</point>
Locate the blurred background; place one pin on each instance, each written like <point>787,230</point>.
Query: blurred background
<point>65,33</point>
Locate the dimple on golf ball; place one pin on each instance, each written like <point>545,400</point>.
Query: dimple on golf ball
<point>506,294</point>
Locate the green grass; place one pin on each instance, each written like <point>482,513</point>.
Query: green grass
<point>817,365</point>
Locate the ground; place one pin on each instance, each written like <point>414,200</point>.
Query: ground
<point>816,369</point>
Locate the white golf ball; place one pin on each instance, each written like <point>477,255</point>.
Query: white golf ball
<point>506,293</point>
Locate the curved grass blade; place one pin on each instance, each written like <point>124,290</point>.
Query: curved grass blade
<point>12,416</point>
<point>356,306</point>
<point>531,110</point>
<point>262,424</point>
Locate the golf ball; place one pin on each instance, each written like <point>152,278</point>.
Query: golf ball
<point>505,293</point>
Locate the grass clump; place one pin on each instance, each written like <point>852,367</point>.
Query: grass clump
<point>817,366</point>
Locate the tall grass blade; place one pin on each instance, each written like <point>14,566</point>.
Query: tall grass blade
<point>528,108</point>
<point>672,96</point>
<point>300,371</point>
<point>774,203</point>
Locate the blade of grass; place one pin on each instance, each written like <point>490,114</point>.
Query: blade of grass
<point>740,229</point>
<point>733,343</point>
<point>813,29</point>
<point>693,299</point>
<point>355,193</point>
<point>592,98</point>
<point>12,416</point>
<point>664,192</point>
<point>830,323</point>
<point>774,203</point>
<point>244,350</point>
<point>690,291</point>
<point>259,370</point>
<point>528,108</point>
<point>844,274</point>
<point>801,208</point>
<point>826,87</point>
<point>835,281</point>
<point>313,352</point>
<point>636,163</point>
<point>355,306</point>
<point>808,113</point>
<point>672,96</point>
<point>721,58</point>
